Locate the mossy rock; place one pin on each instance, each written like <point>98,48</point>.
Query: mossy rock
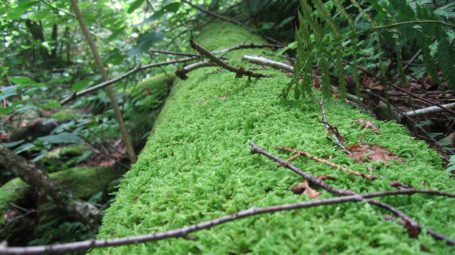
<point>197,166</point>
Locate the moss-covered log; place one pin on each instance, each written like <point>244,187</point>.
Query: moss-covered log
<point>81,181</point>
<point>197,166</point>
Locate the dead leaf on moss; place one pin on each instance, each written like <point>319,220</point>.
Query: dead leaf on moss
<point>304,188</point>
<point>362,152</point>
<point>369,125</point>
<point>325,177</point>
<point>399,185</point>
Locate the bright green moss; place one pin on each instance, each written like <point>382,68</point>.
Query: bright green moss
<point>197,166</point>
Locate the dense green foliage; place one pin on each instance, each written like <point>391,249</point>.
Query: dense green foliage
<point>197,166</point>
<point>339,36</point>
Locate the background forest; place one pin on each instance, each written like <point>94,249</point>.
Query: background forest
<point>60,112</point>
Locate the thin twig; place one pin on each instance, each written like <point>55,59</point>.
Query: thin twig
<point>182,73</point>
<point>412,226</point>
<point>268,62</point>
<point>175,53</point>
<point>213,14</point>
<point>412,22</point>
<point>332,130</point>
<point>190,56</point>
<point>310,178</point>
<point>247,46</point>
<point>183,232</point>
<point>240,72</point>
<point>121,77</point>
<point>364,70</point>
<point>58,9</point>
<point>324,161</point>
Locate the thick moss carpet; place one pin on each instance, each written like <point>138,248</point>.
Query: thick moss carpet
<point>197,166</point>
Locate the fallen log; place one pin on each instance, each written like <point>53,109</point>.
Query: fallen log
<point>195,168</point>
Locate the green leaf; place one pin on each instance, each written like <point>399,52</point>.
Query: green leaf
<point>24,147</point>
<point>134,5</point>
<point>172,7</point>
<point>8,91</point>
<point>22,80</point>
<point>451,166</point>
<point>61,138</point>
<point>146,41</point>
<point>80,84</point>
<point>12,144</point>
<point>21,9</point>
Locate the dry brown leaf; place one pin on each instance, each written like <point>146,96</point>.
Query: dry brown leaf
<point>325,177</point>
<point>304,188</point>
<point>368,124</point>
<point>399,185</point>
<point>362,152</point>
<point>316,84</point>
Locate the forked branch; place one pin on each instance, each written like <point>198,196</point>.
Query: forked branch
<point>240,72</point>
<point>411,225</point>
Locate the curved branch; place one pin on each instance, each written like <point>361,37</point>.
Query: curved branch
<point>121,77</point>
<point>183,232</point>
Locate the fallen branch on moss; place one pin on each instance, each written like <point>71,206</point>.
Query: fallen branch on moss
<point>121,77</point>
<point>324,161</point>
<point>411,225</point>
<point>183,232</point>
<point>240,72</point>
<point>181,73</point>
<point>222,51</point>
<point>189,57</point>
<point>268,62</point>
<point>332,130</point>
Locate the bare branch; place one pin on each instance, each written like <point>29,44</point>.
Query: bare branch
<point>324,161</point>
<point>268,62</point>
<point>183,232</point>
<point>213,14</point>
<point>429,110</point>
<point>256,149</point>
<point>364,70</point>
<point>412,226</point>
<point>240,72</point>
<point>247,46</point>
<point>332,130</point>
<point>41,182</point>
<point>190,57</point>
<point>167,52</point>
<point>181,73</point>
<point>121,77</point>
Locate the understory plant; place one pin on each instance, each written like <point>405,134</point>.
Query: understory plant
<point>343,38</point>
